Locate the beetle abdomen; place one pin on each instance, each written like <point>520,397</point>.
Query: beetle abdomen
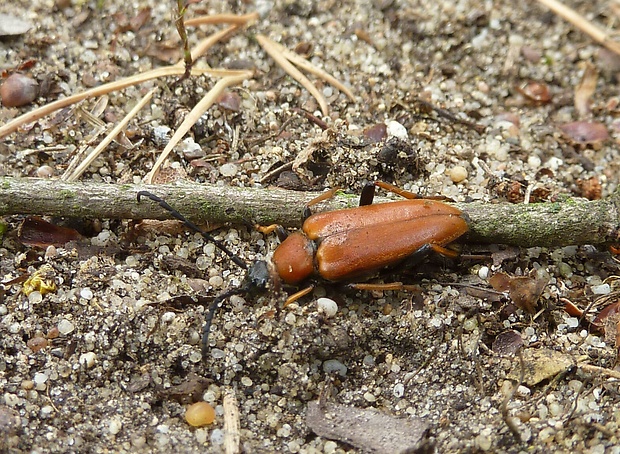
<point>365,250</point>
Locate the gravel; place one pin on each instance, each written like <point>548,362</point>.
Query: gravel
<point>123,359</point>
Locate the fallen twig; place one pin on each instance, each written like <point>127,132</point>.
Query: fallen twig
<point>571,222</point>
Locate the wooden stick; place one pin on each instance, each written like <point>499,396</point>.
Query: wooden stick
<point>572,222</point>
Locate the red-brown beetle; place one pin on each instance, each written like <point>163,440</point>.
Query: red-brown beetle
<point>344,245</point>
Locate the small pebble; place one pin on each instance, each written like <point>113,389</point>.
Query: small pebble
<point>395,129</point>
<point>37,343</point>
<point>45,171</point>
<point>458,174</point>
<point>88,359</point>
<point>330,447</point>
<point>18,90</point>
<point>327,306</point>
<point>200,414</point>
<point>228,170</point>
<point>602,289</point>
<point>115,426</point>
<point>399,390</point>
<point>86,293</point>
<point>334,366</point>
<point>65,327</point>
<point>35,297</point>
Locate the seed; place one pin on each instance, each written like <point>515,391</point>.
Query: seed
<point>18,90</point>
<point>200,414</point>
<point>458,174</point>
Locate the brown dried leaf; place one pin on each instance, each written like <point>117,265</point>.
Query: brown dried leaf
<point>585,90</point>
<point>500,282</point>
<point>523,290</point>
<point>367,429</point>
<point>35,231</point>
<point>190,390</point>
<point>526,290</point>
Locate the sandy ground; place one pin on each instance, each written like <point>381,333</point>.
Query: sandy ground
<point>121,359</point>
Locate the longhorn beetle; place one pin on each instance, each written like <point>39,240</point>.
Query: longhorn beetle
<point>343,245</point>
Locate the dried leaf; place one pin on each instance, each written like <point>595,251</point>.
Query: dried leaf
<point>367,429</point>
<point>500,282</point>
<point>35,231</point>
<point>540,364</point>
<point>523,290</point>
<point>585,89</point>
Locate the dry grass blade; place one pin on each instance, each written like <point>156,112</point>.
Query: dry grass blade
<point>582,24</point>
<point>47,109</point>
<point>318,72</point>
<point>109,138</point>
<point>233,78</point>
<point>232,436</point>
<point>290,69</point>
<point>242,20</point>
<point>174,70</point>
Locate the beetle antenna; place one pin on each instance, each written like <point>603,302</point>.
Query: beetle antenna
<point>215,305</point>
<point>162,203</point>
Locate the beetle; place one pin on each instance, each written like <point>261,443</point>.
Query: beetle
<point>343,245</point>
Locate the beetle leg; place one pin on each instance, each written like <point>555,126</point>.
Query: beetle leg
<point>406,194</point>
<point>267,229</point>
<point>295,296</point>
<point>385,287</point>
<point>396,190</point>
<point>368,194</point>
<point>326,195</point>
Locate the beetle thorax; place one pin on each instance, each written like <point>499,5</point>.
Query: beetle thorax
<point>294,258</point>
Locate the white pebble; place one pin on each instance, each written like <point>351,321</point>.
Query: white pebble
<point>115,426</point>
<point>290,319</point>
<point>330,447</point>
<point>167,317</point>
<point>217,437</point>
<point>35,297</point>
<point>327,306</point>
<point>602,289</point>
<point>88,359</point>
<point>369,397</point>
<point>40,378</point>
<point>216,281</point>
<point>65,326</point>
<point>228,170</point>
<point>399,390</point>
<point>395,129</point>
<point>86,293</point>
<point>483,272</point>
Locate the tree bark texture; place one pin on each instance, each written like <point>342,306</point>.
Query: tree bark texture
<point>570,222</point>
